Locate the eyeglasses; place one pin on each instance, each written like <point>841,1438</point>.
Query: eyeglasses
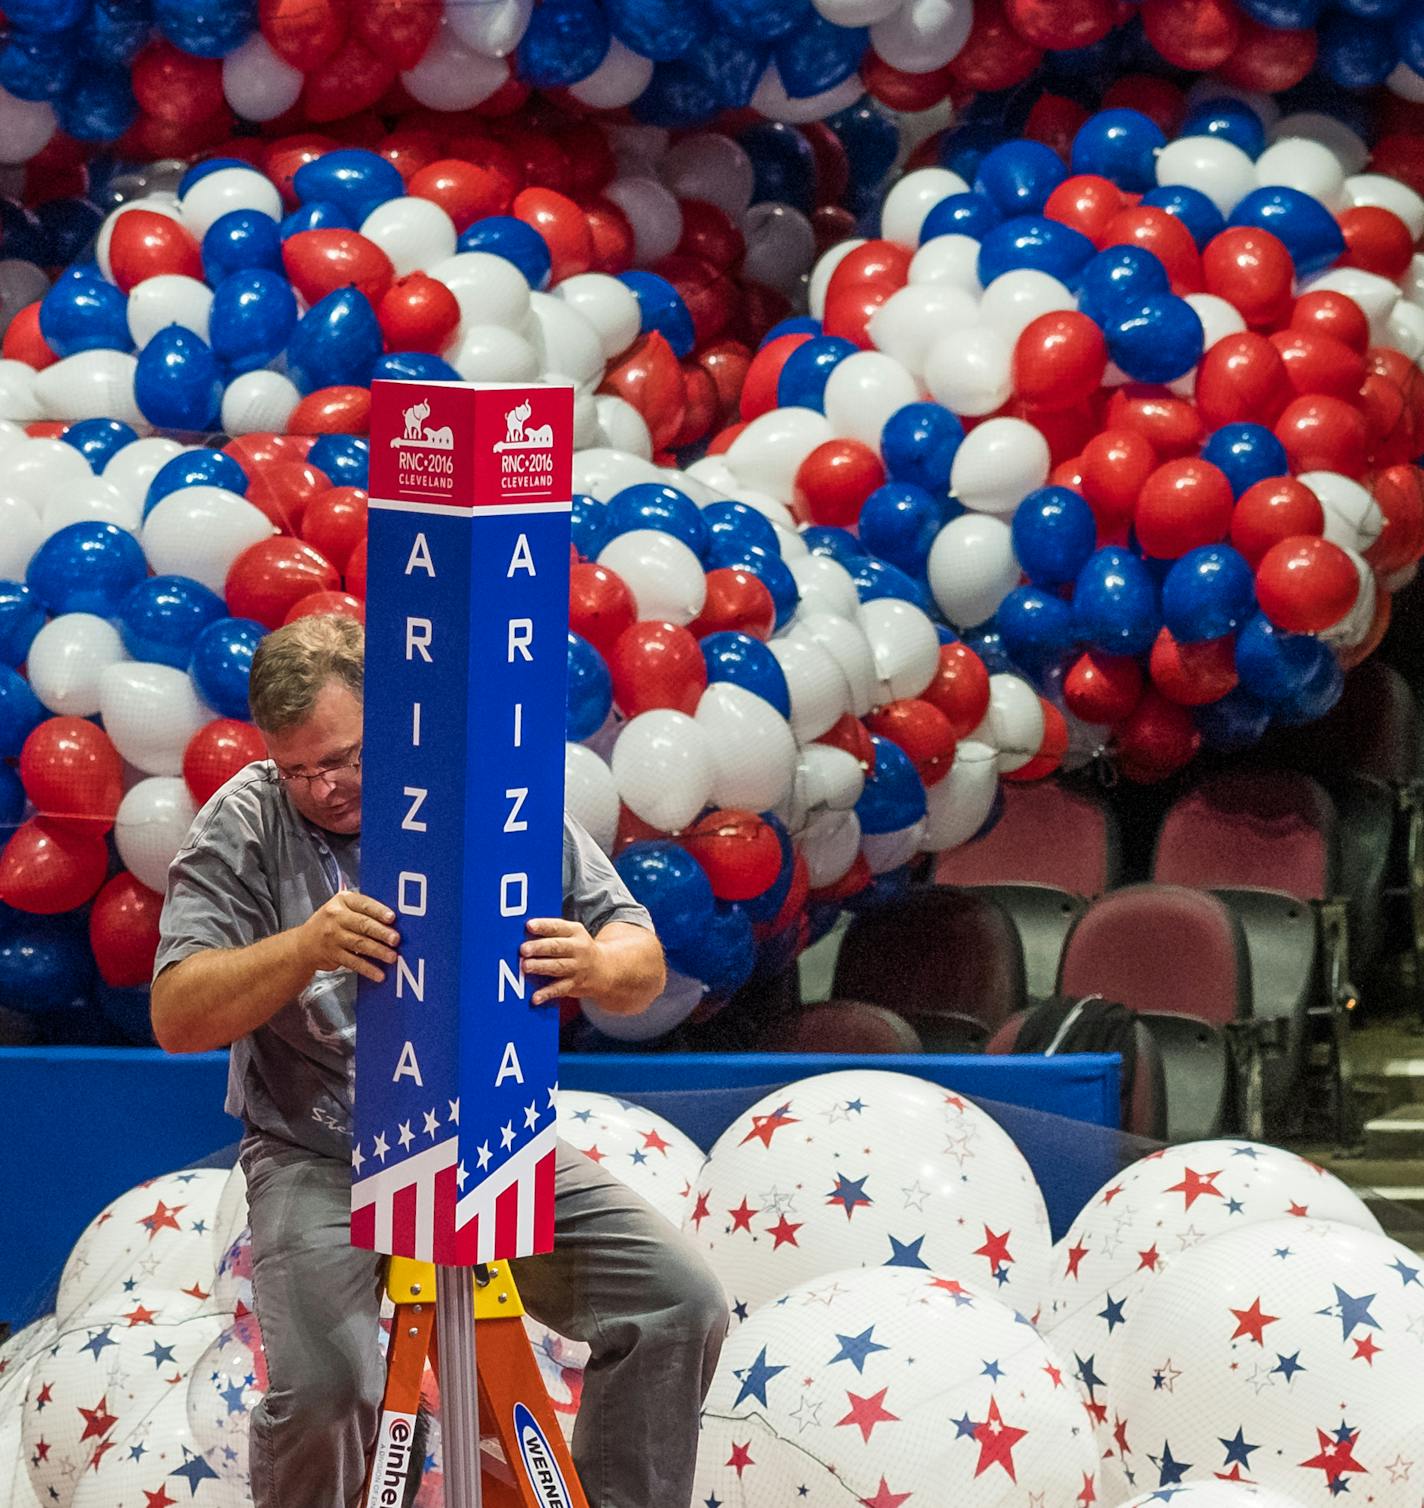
<point>333,772</point>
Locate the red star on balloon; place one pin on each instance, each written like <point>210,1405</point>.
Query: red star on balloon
<point>1196,1186</point>
<point>1300,1211</point>
<point>742,1216</point>
<point>655,1143</point>
<point>98,1420</point>
<point>41,1451</point>
<point>162,1218</point>
<point>1252,1322</point>
<point>593,1154</point>
<point>741,1458</point>
<point>1055,1376</point>
<point>1234,1475</point>
<point>195,1292</point>
<point>955,1100</point>
<point>700,1211</point>
<point>996,1442</point>
<point>1148,1258</point>
<point>1335,1456</point>
<point>764,1127</point>
<point>950,1285</point>
<point>1075,1258</point>
<point>995,1249</point>
<point>866,1413</point>
<point>138,1315</point>
<point>884,1498</point>
<point>1120,1437</point>
<point>1089,1494</point>
<point>1366,1350</point>
<point>1110,1194</point>
<point>784,1232</point>
<point>159,1499</point>
<point>99,1452</point>
<point>44,1396</point>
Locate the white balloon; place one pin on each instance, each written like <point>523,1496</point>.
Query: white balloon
<point>771,99</point>
<point>1015,299</point>
<point>904,645</point>
<point>832,777</point>
<point>590,795</point>
<point>819,694</point>
<point>622,427</point>
<point>847,645</point>
<point>1412,283</point>
<point>1388,193</point>
<point>1406,83</point>
<point>489,290</point>
<point>601,472</point>
<point>150,712</point>
<point>1221,170</point>
<point>66,659</point>
<point>1219,319</point>
<point>780,245</point>
<point>1313,125</point>
<point>568,343</point>
<point>25,127</point>
<point>95,384</point>
<point>886,851</point>
<point>958,805</point>
<point>825,265</point>
<point>772,509</point>
<point>769,451</point>
<point>824,586</point>
<point>168,299</point>
<point>752,750</point>
<point>609,307</point>
<point>213,195</point>
<point>654,214</point>
<point>199,532</point>
<point>914,317</point>
<point>637,149</point>
<point>1352,517</point>
<point>972,568</point>
<point>21,283</point>
<point>453,76</point>
<point>19,402</point>
<point>416,234</point>
<point>617,81</point>
<point>1013,725</point>
<point>662,766</point>
<point>710,166</point>
<point>257,83</point>
<point>663,574</point>
<point>91,501</point>
<point>998,463</point>
<point>21,534</point>
<point>971,371</point>
<point>829,844</point>
<point>1299,163</point>
<point>135,465</point>
<point>152,822</point>
<point>259,402</point>
<point>863,391</point>
<point>493,353</point>
<point>493,28</point>
<point>912,198</point>
<point>923,35</point>
<point>37,469</point>
<point>1354,628</point>
<point>1406,329</point>
<point>856,12</point>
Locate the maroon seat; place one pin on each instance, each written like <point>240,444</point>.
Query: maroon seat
<point>849,1026</point>
<point>949,961</point>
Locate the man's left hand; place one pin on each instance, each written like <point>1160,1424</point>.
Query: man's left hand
<point>563,952</point>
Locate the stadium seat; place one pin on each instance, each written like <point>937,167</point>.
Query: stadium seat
<point>1178,957</point>
<point>949,961</point>
<point>1054,849</point>
<point>849,1026</point>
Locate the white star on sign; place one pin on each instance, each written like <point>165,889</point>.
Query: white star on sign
<point>484,1155</point>
<point>380,1147</point>
<point>553,1095</point>
<point>461,1175</point>
<point>531,1116</point>
<point>506,1136</point>
<point>454,1116</point>
<point>406,1136</point>
<point>430,1124</point>
<point>356,1158</point>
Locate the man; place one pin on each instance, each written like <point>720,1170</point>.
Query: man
<point>263,933</point>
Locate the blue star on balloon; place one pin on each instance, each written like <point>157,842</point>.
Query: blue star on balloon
<point>1407,1274</point>
<point>1283,1252</point>
<point>130,1284</point>
<point>638,1155</point>
<point>1252,1152</point>
<point>964,1428</point>
<point>739,1308</point>
<point>754,1379</point>
<point>161,1355</point>
<point>137,1452</point>
<point>1085,1373</point>
<point>713,1502</point>
<point>856,1105</point>
<point>194,1470</point>
<point>1234,1206</point>
<point>849,1193</point>
<point>857,1348</point>
<point>1113,1314</point>
<point>232,1396</point>
<point>98,1341</point>
<point>1354,1310</point>
<point>1288,1366</point>
<point>991,1369</point>
<point>1238,1452</point>
<point>1345,1435</point>
<point>581,1115</point>
<point>1165,1494</point>
<point>906,1253</point>
<point>1169,1472</point>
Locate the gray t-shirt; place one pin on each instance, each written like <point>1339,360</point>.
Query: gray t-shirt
<point>252,866</point>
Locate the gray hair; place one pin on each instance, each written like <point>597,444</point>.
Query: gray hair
<point>295,662</point>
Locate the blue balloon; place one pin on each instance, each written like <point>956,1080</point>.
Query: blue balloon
<point>761,20</point>
<point>320,214</point>
<point>118,29</point>
<point>344,458</point>
<point>1054,534</point>
<point>99,105</point>
<point>988,643</point>
<point>590,695</point>
<point>1246,453</point>
<point>252,317</point>
<point>69,226</point>
<point>1019,176</point>
<point>797,324</point>
<point>870,139</point>
<point>45,964</point>
<point>802,383</point>
<point>1157,340</point>
<point>656,29</point>
<point>1209,593</point>
<point>839,544</point>
<point>765,907</point>
<point>195,468</point>
<point>206,28</point>
<point>660,307</point>
<point>742,524</point>
<point>23,239</point>
<point>973,215</point>
<point>1276,666</point>
<point>724,955</point>
<point>1115,603</point>
<point>673,886</point>
<point>351,178</point>
<point>222,663</point>
<point>747,662</point>
<point>589,525</point>
<point>653,505</point>
<point>1307,230</point>
<point>894,794</point>
<point>413,366</point>
<point>766,565</point>
<point>1284,15</point>
<point>1191,207</point>
<point>819,55</point>
<point>38,66</point>
<point>1234,723</point>
<point>783,165</point>
<point>964,146</point>
<point>504,236</point>
<point>86,568</point>
<point>1036,626</point>
<point>1031,241</point>
<point>1121,146</point>
<point>918,444</point>
<point>239,241</point>
<point>563,43</point>
<point>163,616</point>
<point>1314,699</point>
<point>1370,10</point>
<point>12,812</point>
<point>128,1010</point>
<point>38,16</point>
<point>99,440</point>
<point>729,65</point>
<point>899,522</point>
<point>336,342</point>
<point>84,314</point>
<point>1230,120</point>
<point>678,94</point>
<point>1120,278</point>
<point>878,579</point>
<point>177,384</point>
<point>20,712</point>
<point>22,616</point>
<point>1356,54</point>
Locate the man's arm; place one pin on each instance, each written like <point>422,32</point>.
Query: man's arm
<point>211,998</point>
<point>621,970</point>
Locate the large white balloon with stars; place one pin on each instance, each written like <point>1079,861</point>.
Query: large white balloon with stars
<point>868,1168</point>
<point>1214,1495</point>
<point>645,1151</point>
<point>892,1386</point>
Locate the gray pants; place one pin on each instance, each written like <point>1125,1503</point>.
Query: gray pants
<point>619,1278</point>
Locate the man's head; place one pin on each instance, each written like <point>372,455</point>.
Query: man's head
<point>306,698</point>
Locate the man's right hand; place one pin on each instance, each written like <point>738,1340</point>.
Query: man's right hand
<point>349,932</point>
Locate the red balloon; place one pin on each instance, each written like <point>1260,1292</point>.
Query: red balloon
<point>994,56</point>
<point>355,573</point>
<point>216,752</point>
<point>1156,740</point>
<point>1319,363</point>
<point>1113,469</point>
<point>708,294</point>
<point>1055,121</point>
<point>1306,584</point>
<point>1377,240</point>
<point>1399,491</point>
<point>656,665</point>
<point>1184,503</point>
<point>1269,60</point>
<point>870,265</point>
<point>303,33</point>
<point>562,224</point>
<point>1251,270</point>
<point>409,149</point>
<point>284,157</point>
<point>1327,312</point>
<point>850,309</point>
<point>467,191</point>
<point>710,234</point>
<point>1196,34</point>
<point>1157,98</point>
<point>701,409</point>
<point>1321,433</point>
<point>649,376</point>
<point>1169,423</point>
<point>418,313</point>
<point>23,341</point>
<point>123,931</point>
<point>352,79</point>
<point>145,244</point>
<point>73,774</point>
<point>1066,430</point>
<point>1052,24</point>
<point>900,90</point>
<point>960,689</point>
<point>600,605</point>
<point>922,730</point>
<point>175,86</point>
<point>400,29</point>
<point>1242,379</point>
<point>320,261</point>
<point>268,577</point>
<point>333,411</point>
<point>334,522</point>
<point>833,482</point>
<point>1165,236</point>
<point>740,853</point>
<point>738,602</point>
<point>1276,508</point>
<point>283,490</point>
<point>849,733</point>
<point>831,161</point>
<point>1193,674</point>
<point>759,386</point>
<point>1392,400</point>
<point>343,603</point>
<point>592,165</point>
<point>1101,688</point>
<point>612,236</point>
<point>1059,360</point>
<point>1087,203</point>
<point>49,867</point>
